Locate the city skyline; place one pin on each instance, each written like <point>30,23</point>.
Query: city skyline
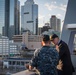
<point>51,7</point>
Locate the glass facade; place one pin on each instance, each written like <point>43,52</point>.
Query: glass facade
<point>55,23</point>
<point>29,17</point>
<point>12,4</point>
<point>12,17</point>
<point>35,18</point>
<point>14,23</point>
<point>2,14</point>
<point>9,17</point>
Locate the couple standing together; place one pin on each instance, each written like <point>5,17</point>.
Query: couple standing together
<point>54,60</point>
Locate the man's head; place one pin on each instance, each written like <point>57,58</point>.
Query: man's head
<point>55,39</point>
<point>46,40</point>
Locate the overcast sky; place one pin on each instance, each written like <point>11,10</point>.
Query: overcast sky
<point>48,8</point>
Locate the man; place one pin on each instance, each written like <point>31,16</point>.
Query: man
<point>45,59</point>
<point>64,56</point>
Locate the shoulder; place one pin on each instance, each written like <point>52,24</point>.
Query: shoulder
<point>65,44</point>
<point>36,52</point>
<point>53,50</point>
<point>53,53</point>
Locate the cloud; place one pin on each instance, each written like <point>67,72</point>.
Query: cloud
<point>59,15</point>
<point>53,2</point>
<point>54,6</point>
<point>63,7</point>
<point>49,15</point>
<point>50,6</point>
<point>41,17</point>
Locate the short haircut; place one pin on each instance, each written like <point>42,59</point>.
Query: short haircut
<point>53,37</point>
<point>46,38</point>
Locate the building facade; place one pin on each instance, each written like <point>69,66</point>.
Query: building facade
<point>4,46</point>
<point>13,49</point>
<point>9,17</point>
<point>29,17</point>
<point>32,41</point>
<point>59,25</point>
<point>17,38</point>
<point>8,48</point>
<point>14,23</point>
<point>55,23</point>
<point>4,8</point>
<point>39,30</point>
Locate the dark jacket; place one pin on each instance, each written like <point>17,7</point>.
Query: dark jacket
<point>46,60</point>
<point>64,55</point>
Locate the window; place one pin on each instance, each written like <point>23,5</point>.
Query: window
<point>26,13</point>
<point>18,63</point>
<point>22,63</point>
<point>13,62</point>
<point>9,62</point>
<point>29,21</point>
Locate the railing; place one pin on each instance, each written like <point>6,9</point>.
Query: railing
<point>26,72</point>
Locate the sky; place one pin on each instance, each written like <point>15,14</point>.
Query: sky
<point>48,8</point>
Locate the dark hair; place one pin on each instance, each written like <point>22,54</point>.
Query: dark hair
<point>53,37</point>
<point>46,38</point>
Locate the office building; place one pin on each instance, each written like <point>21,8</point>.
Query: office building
<point>17,38</point>
<point>55,23</point>
<point>4,15</point>
<point>39,30</point>
<point>9,17</point>
<point>31,41</point>
<point>29,17</point>
<point>8,48</point>
<point>59,25</point>
<point>13,49</point>
<point>4,46</point>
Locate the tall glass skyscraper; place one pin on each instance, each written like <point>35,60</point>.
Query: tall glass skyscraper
<point>14,23</point>
<point>2,14</point>
<point>29,16</point>
<point>10,16</point>
<point>55,23</point>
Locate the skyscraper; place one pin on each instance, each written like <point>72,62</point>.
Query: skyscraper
<point>55,23</point>
<point>4,16</point>
<point>14,21</point>
<point>29,17</point>
<point>9,17</point>
<point>58,25</point>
